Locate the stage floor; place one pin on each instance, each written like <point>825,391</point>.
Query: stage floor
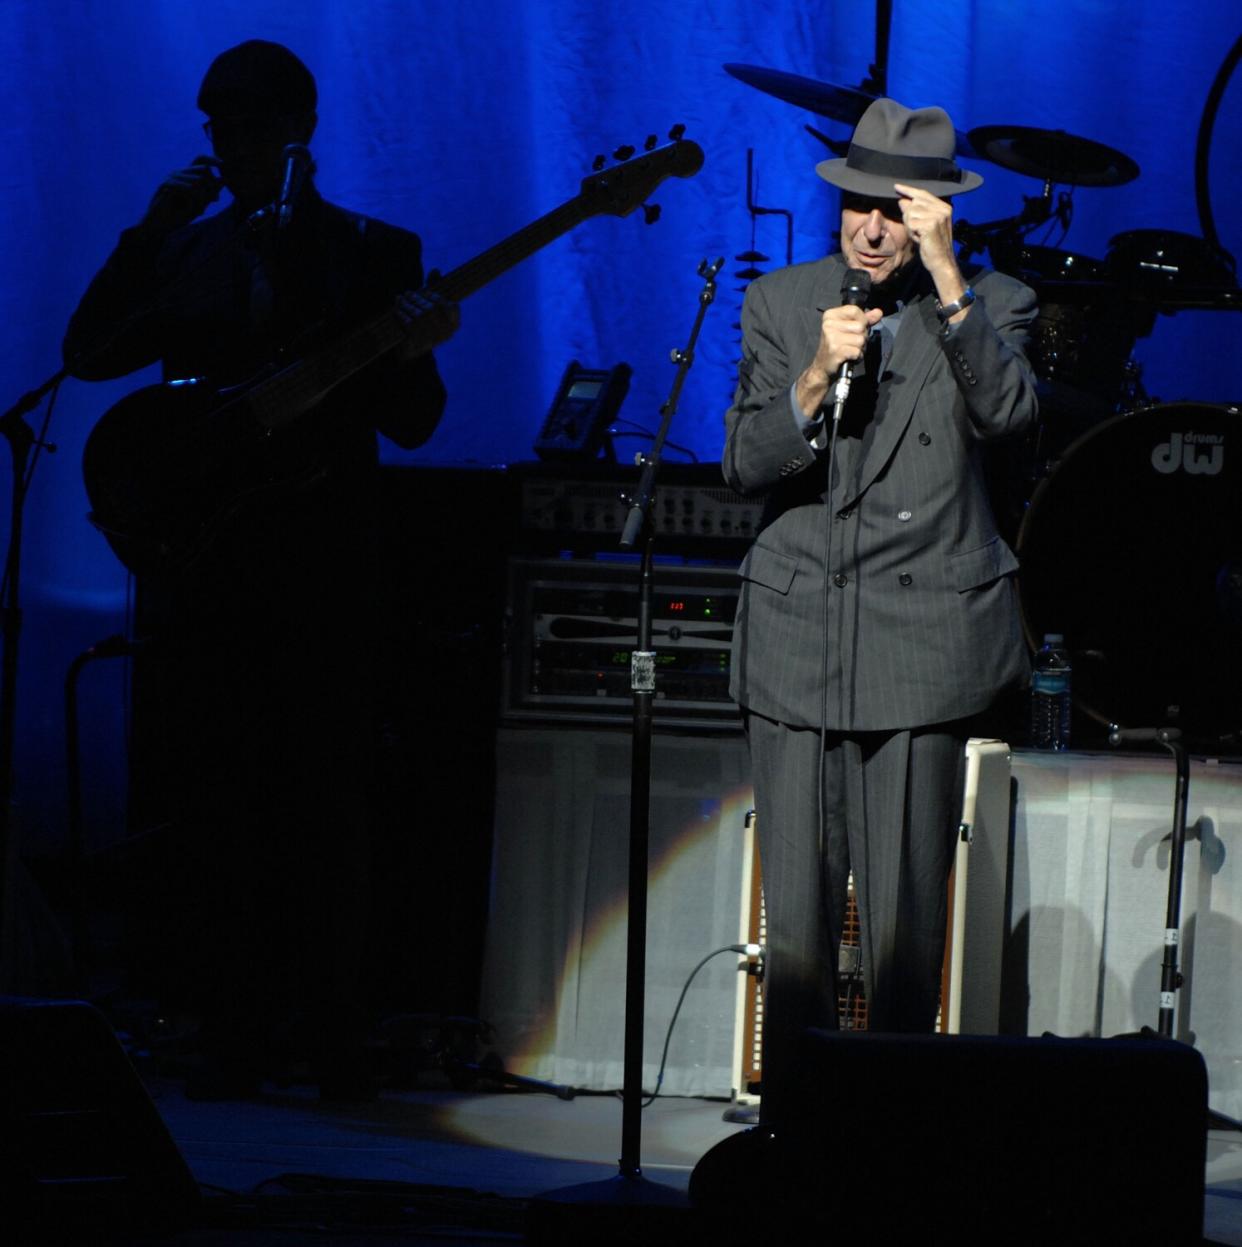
<point>509,1145</point>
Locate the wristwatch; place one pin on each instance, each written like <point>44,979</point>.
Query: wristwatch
<point>946,313</point>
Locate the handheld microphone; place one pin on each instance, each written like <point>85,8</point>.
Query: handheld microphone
<point>854,292</point>
<point>297,160</point>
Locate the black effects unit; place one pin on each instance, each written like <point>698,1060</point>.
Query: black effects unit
<point>573,624</point>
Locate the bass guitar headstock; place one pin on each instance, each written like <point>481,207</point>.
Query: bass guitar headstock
<point>620,189</point>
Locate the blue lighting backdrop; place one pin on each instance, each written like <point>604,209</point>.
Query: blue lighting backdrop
<point>465,122</point>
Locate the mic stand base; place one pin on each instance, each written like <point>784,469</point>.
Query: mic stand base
<point>621,1209</point>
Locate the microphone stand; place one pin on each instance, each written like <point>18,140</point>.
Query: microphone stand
<point>1170,738</point>
<point>642,684</point>
<point>21,440</point>
<point>629,1188</point>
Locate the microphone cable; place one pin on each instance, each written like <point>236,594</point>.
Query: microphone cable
<point>821,768</point>
<point>855,290</point>
<point>746,950</point>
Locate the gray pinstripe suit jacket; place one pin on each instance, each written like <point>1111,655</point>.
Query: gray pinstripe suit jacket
<point>917,592</point>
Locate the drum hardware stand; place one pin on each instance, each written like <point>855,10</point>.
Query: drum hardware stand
<point>1170,975</point>
<point>629,1190</point>
<point>1133,396</point>
<point>1036,211</point>
<point>1203,148</point>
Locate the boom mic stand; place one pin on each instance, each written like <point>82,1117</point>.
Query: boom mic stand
<point>21,441</point>
<point>629,1189</point>
<point>1170,975</point>
<point>1170,738</point>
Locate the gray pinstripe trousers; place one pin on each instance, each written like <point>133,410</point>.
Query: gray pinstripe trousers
<point>892,803</point>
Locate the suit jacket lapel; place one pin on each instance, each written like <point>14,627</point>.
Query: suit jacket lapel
<point>917,348</point>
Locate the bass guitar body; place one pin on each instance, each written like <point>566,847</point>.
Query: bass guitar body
<point>169,466</point>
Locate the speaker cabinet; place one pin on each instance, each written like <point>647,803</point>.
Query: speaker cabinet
<point>1005,1139</point>
<point>81,1144</point>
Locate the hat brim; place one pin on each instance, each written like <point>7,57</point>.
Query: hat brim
<point>840,174</point>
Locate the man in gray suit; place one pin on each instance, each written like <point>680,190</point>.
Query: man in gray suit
<point>878,617</point>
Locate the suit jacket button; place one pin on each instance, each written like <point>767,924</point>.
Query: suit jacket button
<point>840,580</point>
<point>905,578</point>
<point>924,440</point>
<point>844,513</point>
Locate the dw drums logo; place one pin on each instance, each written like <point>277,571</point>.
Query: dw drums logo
<point>1200,454</point>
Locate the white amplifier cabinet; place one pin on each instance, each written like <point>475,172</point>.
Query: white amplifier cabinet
<point>970,1002</point>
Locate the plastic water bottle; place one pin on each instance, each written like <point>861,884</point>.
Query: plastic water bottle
<point>1050,694</point>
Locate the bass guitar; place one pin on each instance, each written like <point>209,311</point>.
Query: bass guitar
<point>169,465</point>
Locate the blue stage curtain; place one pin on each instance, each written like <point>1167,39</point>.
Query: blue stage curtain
<point>466,121</point>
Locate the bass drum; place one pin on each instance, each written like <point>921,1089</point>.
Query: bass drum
<point>1132,548</point>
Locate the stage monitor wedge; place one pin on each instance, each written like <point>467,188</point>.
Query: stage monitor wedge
<point>81,1144</point>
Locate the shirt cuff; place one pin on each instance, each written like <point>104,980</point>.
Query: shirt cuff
<point>814,429</point>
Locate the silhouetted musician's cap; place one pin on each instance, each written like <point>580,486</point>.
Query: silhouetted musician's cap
<point>257,78</point>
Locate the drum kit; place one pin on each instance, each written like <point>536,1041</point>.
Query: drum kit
<point>1126,515</point>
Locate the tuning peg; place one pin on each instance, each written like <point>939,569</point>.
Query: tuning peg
<point>649,142</point>
<point>624,152</point>
<point>599,162</point>
<point>651,213</point>
<point>676,132</point>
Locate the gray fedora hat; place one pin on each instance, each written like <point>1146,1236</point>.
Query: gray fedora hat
<point>893,143</point>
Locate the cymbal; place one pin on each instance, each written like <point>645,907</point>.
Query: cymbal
<point>844,104</point>
<point>1053,156</point>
